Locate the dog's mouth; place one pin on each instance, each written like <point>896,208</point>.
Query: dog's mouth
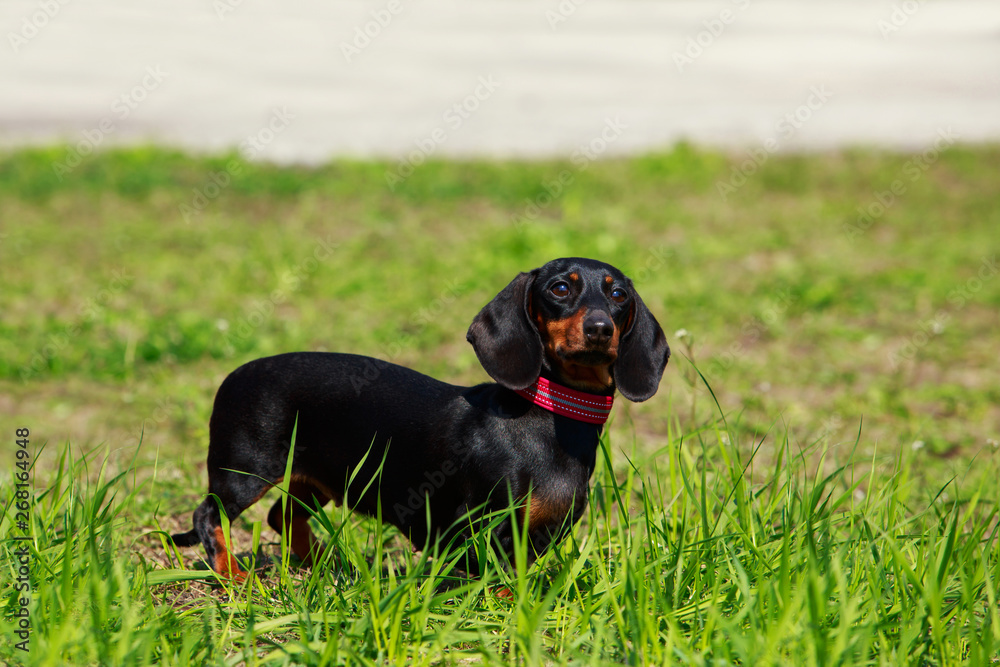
<point>585,369</point>
<point>588,356</point>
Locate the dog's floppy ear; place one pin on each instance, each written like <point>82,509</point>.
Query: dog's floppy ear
<point>642,354</point>
<point>507,344</point>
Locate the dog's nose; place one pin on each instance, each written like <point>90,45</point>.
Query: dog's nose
<point>598,328</point>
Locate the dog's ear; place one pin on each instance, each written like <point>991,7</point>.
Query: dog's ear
<point>642,354</point>
<point>505,340</point>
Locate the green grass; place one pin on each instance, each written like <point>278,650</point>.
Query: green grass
<point>682,559</point>
<point>839,508</point>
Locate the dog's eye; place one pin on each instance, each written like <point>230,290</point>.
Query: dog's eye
<point>560,289</point>
<point>618,295</point>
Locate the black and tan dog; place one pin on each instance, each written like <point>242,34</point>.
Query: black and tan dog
<point>558,341</point>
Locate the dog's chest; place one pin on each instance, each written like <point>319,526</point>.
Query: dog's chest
<point>556,504</point>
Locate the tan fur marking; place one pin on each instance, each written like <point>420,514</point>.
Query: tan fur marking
<point>565,336</point>
<point>589,377</point>
<point>296,524</point>
<point>628,322</point>
<point>312,481</point>
<point>304,544</point>
<point>225,563</point>
<point>266,489</point>
<point>503,593</point>
<point>545,513</point>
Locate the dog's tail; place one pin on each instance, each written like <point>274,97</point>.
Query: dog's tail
<point>188,539</point>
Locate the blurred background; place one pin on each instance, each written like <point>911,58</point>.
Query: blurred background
<point>364,78</point>
<point>806,194</point>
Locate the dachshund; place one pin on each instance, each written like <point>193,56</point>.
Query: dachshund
<point>559,341</point>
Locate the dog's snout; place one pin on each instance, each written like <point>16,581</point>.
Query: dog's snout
<point>598,328</point>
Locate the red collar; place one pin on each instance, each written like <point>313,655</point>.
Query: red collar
<point>579,405</point>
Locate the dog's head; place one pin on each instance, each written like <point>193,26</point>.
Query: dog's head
<point>578,320</point>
